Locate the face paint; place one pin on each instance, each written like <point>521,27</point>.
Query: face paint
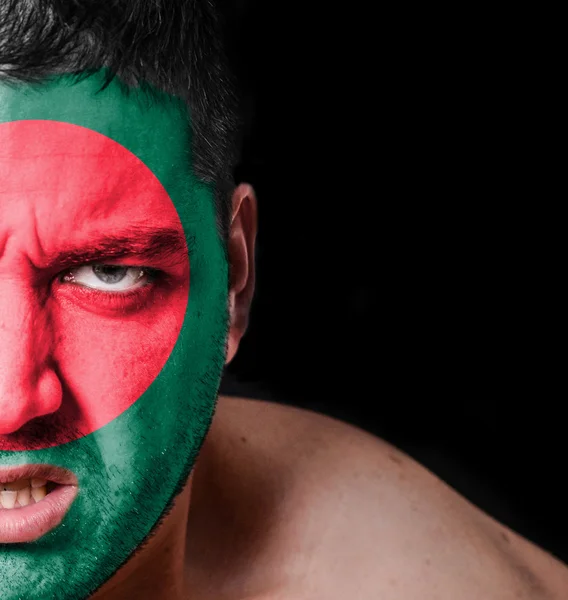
<point>111,370</point>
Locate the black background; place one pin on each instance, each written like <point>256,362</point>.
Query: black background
<point>395,289</point>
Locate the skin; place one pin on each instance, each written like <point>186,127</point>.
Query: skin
<point>67,330</point>
<point>164,566</point>
<point>122,393</point>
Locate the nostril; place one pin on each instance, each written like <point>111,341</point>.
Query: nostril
<point>10,424</point>
<point>24,402</point>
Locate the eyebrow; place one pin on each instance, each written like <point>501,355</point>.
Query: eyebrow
<point>167,245</point>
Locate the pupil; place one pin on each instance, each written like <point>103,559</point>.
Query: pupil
<point>110,273</point>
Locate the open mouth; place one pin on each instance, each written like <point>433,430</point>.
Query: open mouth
<point>24,492</point>
<point>34,500</point>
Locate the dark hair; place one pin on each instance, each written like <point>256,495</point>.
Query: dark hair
<point>175,45</point>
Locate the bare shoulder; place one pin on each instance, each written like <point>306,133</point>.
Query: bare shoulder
<point>328,510</point>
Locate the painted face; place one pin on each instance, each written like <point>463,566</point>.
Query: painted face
<point>113,321</point>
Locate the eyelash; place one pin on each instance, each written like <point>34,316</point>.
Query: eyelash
<point>133,299</point>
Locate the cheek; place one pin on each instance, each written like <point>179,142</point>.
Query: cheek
<point>106,364</point>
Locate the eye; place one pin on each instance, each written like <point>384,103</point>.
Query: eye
<point>109,278</point>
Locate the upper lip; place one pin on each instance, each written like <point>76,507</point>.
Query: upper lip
<point>38,471</point>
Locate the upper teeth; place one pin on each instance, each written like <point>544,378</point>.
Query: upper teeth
<point>22,492</point>
<point>22,483</point>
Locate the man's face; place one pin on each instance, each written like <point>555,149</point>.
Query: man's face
<point>109,366</point>
<point>94,280</point>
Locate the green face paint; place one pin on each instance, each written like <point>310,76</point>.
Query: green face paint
<point>74,162</point>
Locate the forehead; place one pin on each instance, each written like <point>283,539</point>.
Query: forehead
<point>61,181</point>
<point>155,128</point>
<point>151,135</point>
<point>39,156</point>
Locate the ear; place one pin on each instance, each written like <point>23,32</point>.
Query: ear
<point>241,245</point>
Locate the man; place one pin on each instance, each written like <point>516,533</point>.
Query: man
<point>126,278</point>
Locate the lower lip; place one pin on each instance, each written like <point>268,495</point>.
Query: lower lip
<point>28,523</point>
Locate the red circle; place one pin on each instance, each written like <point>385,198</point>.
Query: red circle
<point>74,357</point>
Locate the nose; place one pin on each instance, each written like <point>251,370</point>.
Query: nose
<point>29,387</point>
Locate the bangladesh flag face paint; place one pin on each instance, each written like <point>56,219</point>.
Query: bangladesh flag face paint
<point>113,318</point>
